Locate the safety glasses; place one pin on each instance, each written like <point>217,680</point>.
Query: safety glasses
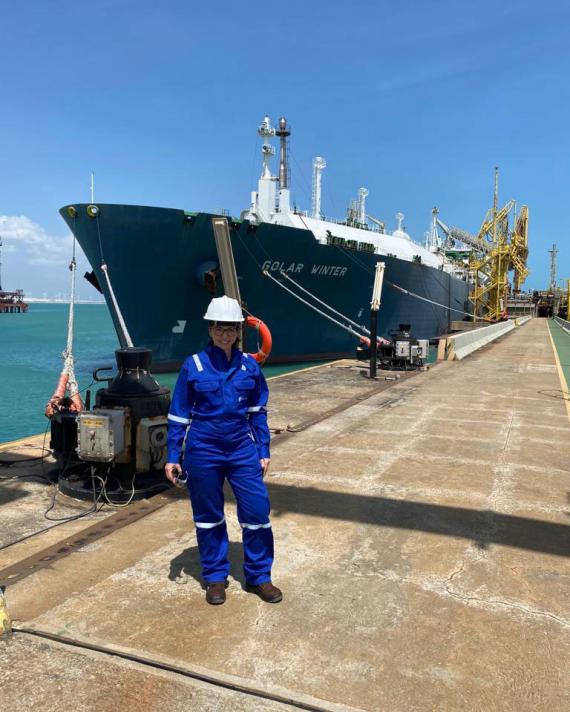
<point>223,330</point>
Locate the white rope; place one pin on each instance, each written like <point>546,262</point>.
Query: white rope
<point>126,335</point>
<point>407,291</point>
<point>334,311</point>
<point>67,355</point>
<point>314,308</point>
<point>430,301</point>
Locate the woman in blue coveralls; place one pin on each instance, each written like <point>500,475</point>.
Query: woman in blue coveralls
<point>222,395</point>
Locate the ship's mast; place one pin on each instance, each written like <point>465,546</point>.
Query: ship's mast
<point>0,263</point>
<point>362,195</point>
<point>283,132</point>
<point>263,201</point>
<point>433,242</point>
<point>319,164</point>
<point>266,131</point>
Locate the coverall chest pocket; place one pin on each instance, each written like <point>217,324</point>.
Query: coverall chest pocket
<point>244,388</point>
<point>208,396</point>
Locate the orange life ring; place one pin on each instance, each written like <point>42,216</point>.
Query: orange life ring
<point>266,340</point>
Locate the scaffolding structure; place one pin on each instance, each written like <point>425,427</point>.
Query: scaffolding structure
<point>500,249</point>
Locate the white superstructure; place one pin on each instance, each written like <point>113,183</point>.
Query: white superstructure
<point>271,204</point>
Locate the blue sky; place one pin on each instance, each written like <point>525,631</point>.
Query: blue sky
<point>416,101</point>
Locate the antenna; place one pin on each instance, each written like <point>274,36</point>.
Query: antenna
<point>92,187</point>
<point>319,164</point>
<point>553,252</point>
<point>362,195</point>
<point>0,263</point>
<point>400,219</point>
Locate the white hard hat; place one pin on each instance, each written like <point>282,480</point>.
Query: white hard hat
<point>223,309</point>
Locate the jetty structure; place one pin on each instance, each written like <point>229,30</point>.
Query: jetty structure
<point>421,538</point>
<point>11,302</point>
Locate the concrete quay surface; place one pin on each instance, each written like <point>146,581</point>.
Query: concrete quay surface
<point>422,542</point>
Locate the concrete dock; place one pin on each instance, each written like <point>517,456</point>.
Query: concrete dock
<point>422,538</point>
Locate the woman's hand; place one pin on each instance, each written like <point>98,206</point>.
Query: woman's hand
<point>172,470</point>
<point>264,462</point>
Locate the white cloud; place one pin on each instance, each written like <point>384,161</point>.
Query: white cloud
<point>41,247</point>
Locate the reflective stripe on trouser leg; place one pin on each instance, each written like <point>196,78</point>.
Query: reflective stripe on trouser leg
<point>205,486</point>
<point>245,478</point>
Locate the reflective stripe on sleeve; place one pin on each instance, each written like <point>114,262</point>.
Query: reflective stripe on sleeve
<point>198,362</point>
<point>256,408</point>
<point>256,526</point>
<point>209,525</point>
<point>178,419</point>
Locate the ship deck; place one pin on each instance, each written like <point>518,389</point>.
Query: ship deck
<point>421,532</point>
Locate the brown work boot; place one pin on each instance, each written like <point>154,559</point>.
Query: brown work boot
<point>216,592</point>
<point>267,592</point>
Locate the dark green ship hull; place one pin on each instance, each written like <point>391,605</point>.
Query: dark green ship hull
<point>162,264</point>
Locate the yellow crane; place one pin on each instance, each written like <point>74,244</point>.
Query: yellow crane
<point>500,251</point>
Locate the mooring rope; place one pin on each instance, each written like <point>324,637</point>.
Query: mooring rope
<point>123,327</point>
<point>124,330</point>
<point>350,330</point>
<point>328,306</point>
<point>67,355</point>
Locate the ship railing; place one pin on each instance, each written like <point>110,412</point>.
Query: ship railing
<point>335,221</point>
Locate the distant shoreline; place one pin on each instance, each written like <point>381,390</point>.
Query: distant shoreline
<point>38,300</point>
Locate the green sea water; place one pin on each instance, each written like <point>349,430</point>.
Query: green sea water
<point>30,361</point>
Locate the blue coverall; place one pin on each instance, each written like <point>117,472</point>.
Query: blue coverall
<point>225,404</point>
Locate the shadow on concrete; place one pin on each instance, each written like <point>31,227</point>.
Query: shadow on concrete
<point>188,563</point>
<point>480,526</point>
<point>10,494</point>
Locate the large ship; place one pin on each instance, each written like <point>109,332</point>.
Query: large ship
<point>300,272</point>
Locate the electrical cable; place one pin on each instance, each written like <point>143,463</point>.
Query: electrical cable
<point>73,517</point>
<point>118,505</point>
<point>10,463</point>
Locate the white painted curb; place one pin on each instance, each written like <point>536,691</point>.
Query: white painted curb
<point>461,345</point>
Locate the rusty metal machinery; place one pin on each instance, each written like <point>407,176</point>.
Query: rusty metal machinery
<point>500,250</point>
